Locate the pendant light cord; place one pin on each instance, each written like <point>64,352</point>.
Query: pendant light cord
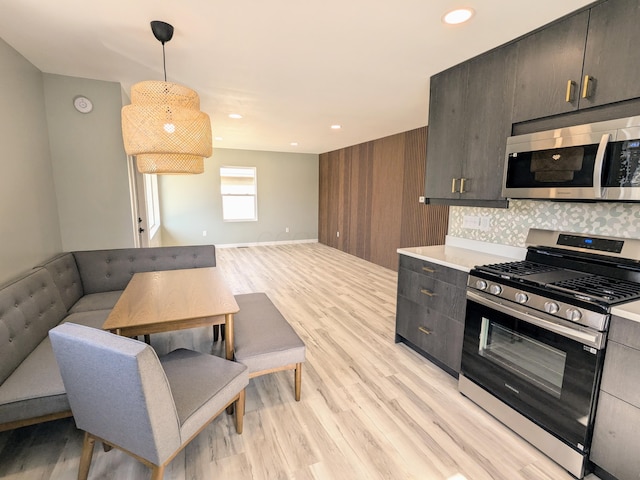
<point>164,63</point>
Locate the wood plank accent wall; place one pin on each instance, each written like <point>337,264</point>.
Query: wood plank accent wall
<point>369,196</point>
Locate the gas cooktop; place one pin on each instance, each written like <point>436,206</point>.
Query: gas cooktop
<point>570,276</point>
<point>582,285</point>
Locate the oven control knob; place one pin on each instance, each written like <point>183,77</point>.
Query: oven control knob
<point>481,285</point>
<point>551,307</point>
<point>522,297</point>
<point>495,289</point>
<point>573,314</point>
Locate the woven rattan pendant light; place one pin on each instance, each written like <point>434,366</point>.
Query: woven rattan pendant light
<point>163,126</point>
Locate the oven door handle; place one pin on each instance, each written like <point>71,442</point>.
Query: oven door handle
<point>589,338</point>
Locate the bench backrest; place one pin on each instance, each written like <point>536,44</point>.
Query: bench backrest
<point>29,307</point>
<point>109,270</point>
<point>64,271</point>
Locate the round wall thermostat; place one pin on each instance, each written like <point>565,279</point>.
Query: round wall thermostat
<point>82,104</point>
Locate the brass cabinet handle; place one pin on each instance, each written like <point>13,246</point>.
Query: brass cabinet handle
<point>428,293</point>
<point>427,269</point>
<point>424,330</point>
<point>570,86</point>
<point>462,180</point>
<point>585,86</point>
<point>453,185</point>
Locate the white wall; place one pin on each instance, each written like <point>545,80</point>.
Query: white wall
<point>29,231</point>
<point>89,164</point>
<point>287,198</point>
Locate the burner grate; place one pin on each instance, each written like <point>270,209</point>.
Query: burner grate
<point>602,288</point>
<point>522,268</point>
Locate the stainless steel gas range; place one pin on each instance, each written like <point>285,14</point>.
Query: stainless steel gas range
<point>535,336</point>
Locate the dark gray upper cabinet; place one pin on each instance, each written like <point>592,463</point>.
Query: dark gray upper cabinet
<point>549,67</point>
<point>612,56</point>
<point>446,132</point>
<point>585,60</point>
<point>469,122</point>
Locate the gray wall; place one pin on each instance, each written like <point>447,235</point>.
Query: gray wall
<point>29,231</point>
<point>89,164</point>
<point>287,197</point>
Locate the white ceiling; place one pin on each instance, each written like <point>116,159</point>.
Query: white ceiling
<point>292,68</point>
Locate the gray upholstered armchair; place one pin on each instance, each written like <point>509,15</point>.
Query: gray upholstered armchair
<point>124,396</point>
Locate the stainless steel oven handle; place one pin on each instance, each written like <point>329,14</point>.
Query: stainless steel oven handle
<point>598,166</point>
<point>591,339</point>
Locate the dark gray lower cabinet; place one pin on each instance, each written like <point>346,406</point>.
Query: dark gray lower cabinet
<point>430,311</point>
<point>616,436</point>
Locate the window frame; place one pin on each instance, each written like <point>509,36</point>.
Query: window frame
<point>254,195</point>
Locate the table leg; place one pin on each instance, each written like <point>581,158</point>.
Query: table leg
<point>228,344</point>
<point>228,335</point>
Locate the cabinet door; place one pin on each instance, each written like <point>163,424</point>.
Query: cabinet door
<point>488,117</point>
<point>446,132</point>
<point>547,61</point>
<point>616,438</point>
<point>612,56</point>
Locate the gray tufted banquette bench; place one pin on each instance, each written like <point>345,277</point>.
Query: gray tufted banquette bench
<point>79,287</point>
<point>264,341</point>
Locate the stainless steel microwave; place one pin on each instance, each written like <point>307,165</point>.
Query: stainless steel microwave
<point>596,161</point>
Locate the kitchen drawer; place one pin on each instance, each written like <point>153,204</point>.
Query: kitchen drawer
<point>621,375</point>
<point>433,332</point>
<point>624,331</point>
<point>429,292</point>
<point>616,438</point>
<point>442,273</point>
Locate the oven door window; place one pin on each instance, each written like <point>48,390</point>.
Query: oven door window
<point>548,378</point>
<point>533,361</point>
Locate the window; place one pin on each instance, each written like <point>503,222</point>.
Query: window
<point>239,194</point>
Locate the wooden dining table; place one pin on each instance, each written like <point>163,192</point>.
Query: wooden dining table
<point>168,300</point>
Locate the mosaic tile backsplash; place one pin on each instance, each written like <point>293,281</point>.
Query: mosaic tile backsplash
<point>510,226</point>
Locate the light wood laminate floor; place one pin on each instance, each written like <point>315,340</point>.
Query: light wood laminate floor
<point>370,408</point>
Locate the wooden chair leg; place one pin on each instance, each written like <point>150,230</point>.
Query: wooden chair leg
<point>85,458</point>
<point>298,380</point>
<point>240,411</point>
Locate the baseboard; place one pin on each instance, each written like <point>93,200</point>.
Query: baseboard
<point>259,244</point>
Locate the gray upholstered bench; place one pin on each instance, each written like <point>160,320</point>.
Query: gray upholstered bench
<point>264,341</point>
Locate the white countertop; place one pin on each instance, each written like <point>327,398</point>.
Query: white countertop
<point>630,311</point>
<point>454,257</point>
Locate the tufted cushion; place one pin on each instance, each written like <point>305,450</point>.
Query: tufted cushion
<point>96,301</point>
<point>201,385</point>
<point>263,339</point>
<point>65,275</point>
<point>29,307</point>
<point>109,270</point>
<point>35,388</point>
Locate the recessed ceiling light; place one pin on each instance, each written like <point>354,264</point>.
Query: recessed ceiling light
<point>460,15</point>
<point>294,144</point>
<point>336,127</point>
<point>218,138</point>
<point>235,115</point>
